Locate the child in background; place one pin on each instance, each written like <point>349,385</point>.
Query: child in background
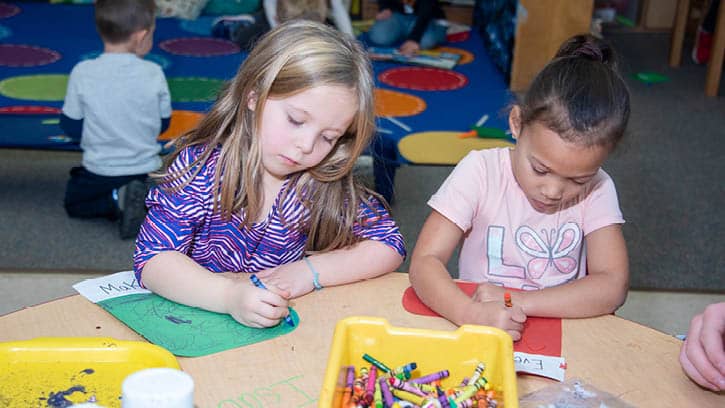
<point>117,105</point>
<point>245,29</point>
<point>704,36</point>
<point>542,217</point>
<point>337,11</point>
<point>265,185</point>
<point>420,27</point>
<point>703,353</point>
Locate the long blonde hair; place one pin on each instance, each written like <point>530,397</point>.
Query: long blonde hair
<point>295,56</point>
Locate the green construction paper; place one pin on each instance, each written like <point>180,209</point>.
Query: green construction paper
<point>184,330</point>
<point>651,77</point>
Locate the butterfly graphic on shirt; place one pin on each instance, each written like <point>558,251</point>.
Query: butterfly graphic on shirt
<point>550,249</point>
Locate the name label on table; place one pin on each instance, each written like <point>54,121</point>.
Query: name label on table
<point>545,366</point>
<point>109,287</point>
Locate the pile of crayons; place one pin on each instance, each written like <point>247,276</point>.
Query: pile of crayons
<point>383,387</point>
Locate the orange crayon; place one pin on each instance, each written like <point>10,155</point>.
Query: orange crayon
<point>347,394</point>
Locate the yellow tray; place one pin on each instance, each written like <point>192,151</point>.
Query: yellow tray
<point>45,371</point>
<point>458,351</point>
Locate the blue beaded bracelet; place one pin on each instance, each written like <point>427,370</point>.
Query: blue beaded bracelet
<point>315,275</point>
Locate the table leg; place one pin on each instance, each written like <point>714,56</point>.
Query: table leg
<point>678,32</point>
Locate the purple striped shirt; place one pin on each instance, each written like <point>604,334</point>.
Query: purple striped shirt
<point>183,221</point>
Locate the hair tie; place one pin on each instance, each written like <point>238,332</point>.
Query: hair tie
<point>315,274</point>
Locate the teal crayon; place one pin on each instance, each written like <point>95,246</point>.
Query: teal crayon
<point>376,363</point>
<point>258,283</point>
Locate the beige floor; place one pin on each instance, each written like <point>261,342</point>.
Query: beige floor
<point>665,311</point>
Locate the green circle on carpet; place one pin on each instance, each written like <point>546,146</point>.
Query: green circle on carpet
<point>194,89</point>
<point>35,87</point>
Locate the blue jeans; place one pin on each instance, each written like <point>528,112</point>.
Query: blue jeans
<point>90,195</point>
<point>396,29</point>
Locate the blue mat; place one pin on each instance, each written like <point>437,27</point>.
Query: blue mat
<point>69,30</point>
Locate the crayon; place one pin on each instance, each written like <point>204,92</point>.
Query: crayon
<point>404,370</point>
<point>431,403</point>
<point>385,391</point>
<point>376,363</point>
<point>443,398</point>
<point>404,395</point>
<point>378,396</point>
<point>431,377</point>
<point>347,394</point>
<point>258,283</point>
<point>476,374</point>
<point>402,385</point>
<point>507,299</point>
<point>370,386</point>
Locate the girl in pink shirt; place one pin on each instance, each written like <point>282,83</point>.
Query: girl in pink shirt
<point>542,217</point>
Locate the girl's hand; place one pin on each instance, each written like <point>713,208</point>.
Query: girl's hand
<point>496,314</point>
<point>703,353</point>
<point>253,306</point>
<point>294,278</point>
<point>486,292</point>
<point>384,14</point>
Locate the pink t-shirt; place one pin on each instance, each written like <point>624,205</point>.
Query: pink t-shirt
<point>506,241</point>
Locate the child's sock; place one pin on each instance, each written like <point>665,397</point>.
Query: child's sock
<point>131,200</point>
<point>116,195</point>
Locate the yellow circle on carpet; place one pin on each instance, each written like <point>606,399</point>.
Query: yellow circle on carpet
<point>181,122</point>
<point>466,56</point>
<point>393,103</point>
<point>443,147</point>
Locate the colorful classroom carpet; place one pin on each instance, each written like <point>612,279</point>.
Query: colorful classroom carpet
<point>421,111</point>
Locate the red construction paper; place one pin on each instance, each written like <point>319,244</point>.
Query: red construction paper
<point>541,335</point>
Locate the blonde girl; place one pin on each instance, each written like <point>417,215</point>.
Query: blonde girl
<point>264,185</point>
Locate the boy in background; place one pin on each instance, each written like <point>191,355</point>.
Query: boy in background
<point>419,25</point>
<point>117,105</point>
<point>244,29</point>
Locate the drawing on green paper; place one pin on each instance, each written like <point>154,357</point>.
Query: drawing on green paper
<point>184,330</point>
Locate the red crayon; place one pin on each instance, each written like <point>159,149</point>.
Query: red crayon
<point>507,299</point>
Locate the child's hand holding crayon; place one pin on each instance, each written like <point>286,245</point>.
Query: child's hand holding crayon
<point>487,292</point>
<point>256,307</point>
<point>496,314</point>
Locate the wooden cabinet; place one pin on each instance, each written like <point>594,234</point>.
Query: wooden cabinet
<point>541,27</point>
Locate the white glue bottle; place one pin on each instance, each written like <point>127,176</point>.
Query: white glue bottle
<point>158,388</point>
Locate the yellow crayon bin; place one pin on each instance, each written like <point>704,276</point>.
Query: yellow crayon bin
<point>458,351</point>
<point>60,371</point>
